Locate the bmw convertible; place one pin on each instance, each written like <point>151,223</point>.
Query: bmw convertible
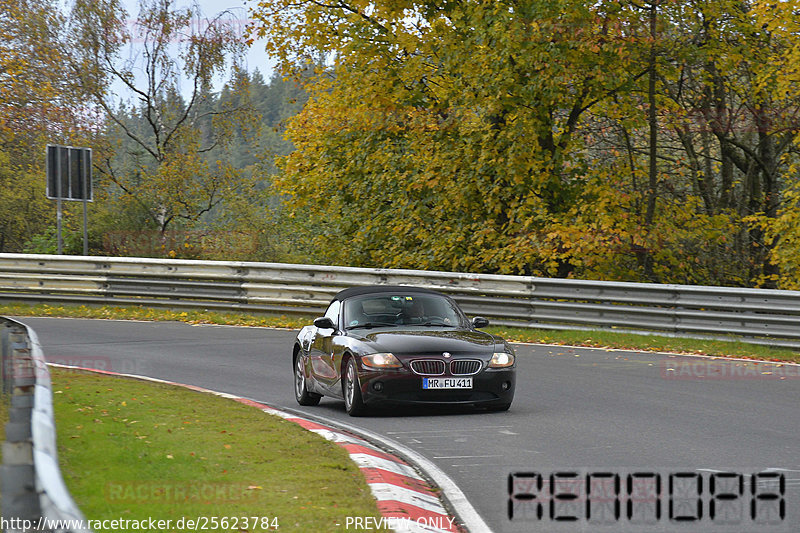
<point>390,345</point>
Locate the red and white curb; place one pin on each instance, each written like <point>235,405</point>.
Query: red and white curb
<point>407,501</point>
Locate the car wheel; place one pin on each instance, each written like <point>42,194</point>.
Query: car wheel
<point>301,393</point>
<point>353,402</point>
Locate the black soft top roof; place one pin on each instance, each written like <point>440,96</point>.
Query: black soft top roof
<point>373,289</point>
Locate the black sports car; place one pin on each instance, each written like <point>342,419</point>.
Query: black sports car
<point>401,345</point>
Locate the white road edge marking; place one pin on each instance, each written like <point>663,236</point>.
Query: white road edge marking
<point>454,496</point>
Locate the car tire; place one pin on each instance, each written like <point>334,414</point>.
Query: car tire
<point>351,389</point>
<point>301,393</point>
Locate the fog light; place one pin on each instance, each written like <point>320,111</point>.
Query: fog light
<point>506,385</point>
<point>378,386</point>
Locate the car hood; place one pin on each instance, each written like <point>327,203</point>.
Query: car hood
<point>430,341</point>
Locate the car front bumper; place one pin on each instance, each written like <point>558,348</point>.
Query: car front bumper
<point>489,387</point>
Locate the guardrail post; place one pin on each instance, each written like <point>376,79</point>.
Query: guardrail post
<point>5,355</point>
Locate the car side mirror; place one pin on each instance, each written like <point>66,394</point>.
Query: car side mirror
<point>324,322</point>
<point>480,322</point>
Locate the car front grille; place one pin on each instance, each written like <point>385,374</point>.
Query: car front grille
<point>436,367</point>
<point>465,367</point>
<point>428,367</point>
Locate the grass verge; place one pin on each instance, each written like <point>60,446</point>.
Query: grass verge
<point>136,450</point>
<point>596,338</point>
<point>155,313</point>
<point>649,343</point>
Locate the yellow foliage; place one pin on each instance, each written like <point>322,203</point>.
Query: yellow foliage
<point>512,137</point>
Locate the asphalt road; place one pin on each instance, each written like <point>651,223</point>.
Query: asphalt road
<point>663,425</point>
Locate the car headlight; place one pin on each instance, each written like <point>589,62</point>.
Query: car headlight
<point>501,360</point>
<point>381,360</point>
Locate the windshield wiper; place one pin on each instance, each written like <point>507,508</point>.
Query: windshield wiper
<point>372,325</point>
<point>438,324</point>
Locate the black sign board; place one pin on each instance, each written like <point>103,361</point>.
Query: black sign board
<point>69,173</point>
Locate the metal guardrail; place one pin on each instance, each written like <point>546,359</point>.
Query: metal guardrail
<point>33,491</point>
<point>755,315</point>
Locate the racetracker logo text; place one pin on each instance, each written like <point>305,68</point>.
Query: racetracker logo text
<point>716,369</point>
<point>145,492</point>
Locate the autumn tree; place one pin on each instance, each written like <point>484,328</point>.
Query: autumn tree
<point>447,136</point>
<point>773,150</point>
<point>630,140</point>
<point>40,103</point>
<point>726,134</point>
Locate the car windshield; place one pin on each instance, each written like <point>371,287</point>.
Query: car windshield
<point>402,309</point>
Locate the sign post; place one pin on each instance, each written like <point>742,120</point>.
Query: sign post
<point>85,222</point>
<point>69,177</point>
<point>59,196</point>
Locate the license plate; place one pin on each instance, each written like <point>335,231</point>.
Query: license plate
<point>446,383</point>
